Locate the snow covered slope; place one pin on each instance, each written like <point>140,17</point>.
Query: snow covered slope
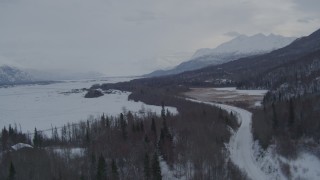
<point>239,47</point>
<point>243,44</point>
<point>13,75</point>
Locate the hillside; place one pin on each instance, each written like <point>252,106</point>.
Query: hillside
<point>246,72</point>
<point>13,75</point>
<point>239,47</point>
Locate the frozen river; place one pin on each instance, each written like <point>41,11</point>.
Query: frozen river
<point>46,106</point>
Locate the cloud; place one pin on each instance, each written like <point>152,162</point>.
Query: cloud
<point>141,16</point>
<point>116,37</point>
<point>305,20</point>
<point>232,34</point>
<point>6,61</point>
<point>307,5</point>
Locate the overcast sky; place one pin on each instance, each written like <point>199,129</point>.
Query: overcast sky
<point>132,37</point>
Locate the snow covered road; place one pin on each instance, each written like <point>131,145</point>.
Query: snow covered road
<point>240,145</point>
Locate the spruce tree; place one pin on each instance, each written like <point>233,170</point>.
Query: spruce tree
<point>146,169</point>
<point>123,125</point>
<point>141,126</point>
<point>101,169</point>
<point>163,111</point>
<point>274,117</point>
<point>4,138</point>
<point>291,113</point>
<point>153,126</point>
<point>107,122</point>
<point>114,170</point>
<point>12,172</point>
<point>36,138</point>
<point>156,170</point>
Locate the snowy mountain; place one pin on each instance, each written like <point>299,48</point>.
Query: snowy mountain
<point>243,44</point>
<point>13,75</point>
<point>296,65</point>
<point>239,47</point>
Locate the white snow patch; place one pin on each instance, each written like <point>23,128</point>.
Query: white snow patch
<point>306,166</point>
<point>267,161</point>
<point>45,106</point>
<point>166,173</point>
<point>258,104</point>
<point>244,92</point>
<point>72,152</point>
<point>19,146</point>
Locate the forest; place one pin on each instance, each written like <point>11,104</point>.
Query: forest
<point>190,144</point>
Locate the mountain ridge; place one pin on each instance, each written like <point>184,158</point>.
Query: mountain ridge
<point>239,47</point>
<point>14,75</point>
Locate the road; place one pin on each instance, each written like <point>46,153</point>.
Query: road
<point>240,145</point>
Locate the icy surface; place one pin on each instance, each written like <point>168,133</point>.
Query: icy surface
<point>46,106</point>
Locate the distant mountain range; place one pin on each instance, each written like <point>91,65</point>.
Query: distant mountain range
<point>10,75</point>
<point>13,75</point>
<point>294,68</point>
<point>239,47</point>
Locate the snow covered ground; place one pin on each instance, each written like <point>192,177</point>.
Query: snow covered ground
<point>240,146</point>
<point>68,152</point>
<point>260,164</point>
<point>46,106</point>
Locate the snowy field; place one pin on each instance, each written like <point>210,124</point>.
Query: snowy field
<point>46,106</point>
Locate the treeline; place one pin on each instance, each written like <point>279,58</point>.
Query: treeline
<point>12,136</point>
<point>191,144</point>
<point>286,122</point>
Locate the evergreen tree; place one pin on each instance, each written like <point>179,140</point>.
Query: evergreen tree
<point>274,117</point>
<point>156,170</point>
<point>146,139</point>
<point>153,126</point>
<point>55,135</point>
<point>4,138</point>
<point>123,125</point>
<point>103,118</point>
<point>114,170</point>
<point>168,114</point>
<point>12,172</point>
<point>36,138</point>
<point>87,136</point>
<point>64,134</point>
<point>147,169</point>
<point>141,126</point>
<point>291,113</point>
<point>101,169</point>
<point>107,122</point>
<point>11,132</point>
<point>163,111</point>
